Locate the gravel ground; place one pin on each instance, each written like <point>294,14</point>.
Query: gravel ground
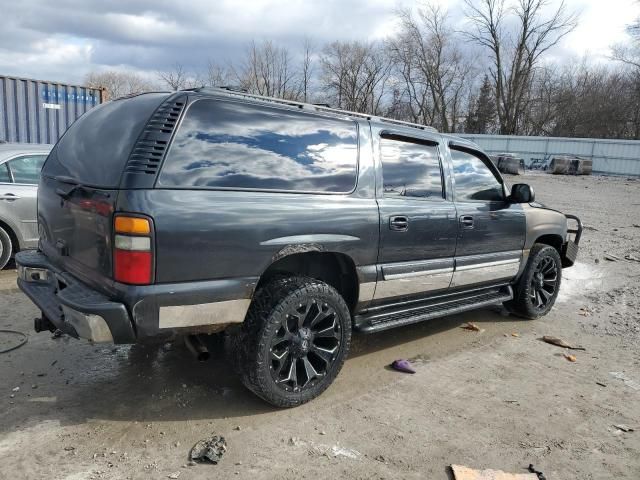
<point>498,399</point>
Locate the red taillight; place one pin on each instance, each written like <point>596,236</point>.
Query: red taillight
<point>132,253</point>
<point>132,267</point>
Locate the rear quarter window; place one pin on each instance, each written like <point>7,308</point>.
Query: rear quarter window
<point>96,147</point>
<point>236,145</point>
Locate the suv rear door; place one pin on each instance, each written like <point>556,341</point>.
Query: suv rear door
<point>491,230</point>
<point>418,224</point>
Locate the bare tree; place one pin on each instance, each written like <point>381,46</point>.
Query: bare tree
<point>267,70</point>
<point>354,75</point>
<point>118,83</point>
<point>307,70</point>
<point>428,58</point>
<point>217,75</point>
<point>177,78</point>
<point>515,52</point>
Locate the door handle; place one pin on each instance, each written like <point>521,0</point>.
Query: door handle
<point>466,221</point>
<point>9,196</point>
<point>399,223</point>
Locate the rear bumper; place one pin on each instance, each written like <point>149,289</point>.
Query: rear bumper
<point>70,305</point>
<point>570,248</point>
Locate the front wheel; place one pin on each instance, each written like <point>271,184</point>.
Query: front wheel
<point>293,342</point>
<point>538,287</point>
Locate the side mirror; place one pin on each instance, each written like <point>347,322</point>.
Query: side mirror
<point>522,193</point>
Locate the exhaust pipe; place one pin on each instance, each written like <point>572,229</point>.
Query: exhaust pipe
<point>196,347</point>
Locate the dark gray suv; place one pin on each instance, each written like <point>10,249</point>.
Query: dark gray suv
<point>285,225</point>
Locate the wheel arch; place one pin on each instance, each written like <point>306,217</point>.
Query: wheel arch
<point>552,239</point>
<point>334,268</point>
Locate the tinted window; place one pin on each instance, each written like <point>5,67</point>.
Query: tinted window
<point>474,180</point>
<point>26,169</point>
<point>410,169</point>
<point>96,147</point>
<point>224,144</point>
<point>4,174</point>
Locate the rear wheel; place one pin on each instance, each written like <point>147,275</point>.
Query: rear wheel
<point>5,248</point>
<point>293,342</point>
<point>538,287</point>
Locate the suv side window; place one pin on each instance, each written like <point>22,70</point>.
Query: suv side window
<point>26,169</point>
<point>4,174</point>
<point>474,181</point>
<point>226,144</point>
<point>410,168</point>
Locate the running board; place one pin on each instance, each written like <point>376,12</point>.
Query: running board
<point>399,315</point>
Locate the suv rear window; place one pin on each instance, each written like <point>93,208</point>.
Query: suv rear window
<point>96,147</point>
<point>225,144</point>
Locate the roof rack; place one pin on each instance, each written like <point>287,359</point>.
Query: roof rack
<point>235,92</point>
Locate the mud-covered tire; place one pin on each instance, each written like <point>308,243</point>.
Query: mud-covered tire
<point>270,320</point>
<point>6,248</point>
<point>544,264</point>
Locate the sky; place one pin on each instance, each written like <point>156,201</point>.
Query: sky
<point>62,40</point>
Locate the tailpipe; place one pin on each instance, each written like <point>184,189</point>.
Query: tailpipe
<point>195,346</point>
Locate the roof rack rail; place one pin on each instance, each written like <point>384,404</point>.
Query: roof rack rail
<point>237,92</point>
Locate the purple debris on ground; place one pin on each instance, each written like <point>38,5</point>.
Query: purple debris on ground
<point>402,366</point>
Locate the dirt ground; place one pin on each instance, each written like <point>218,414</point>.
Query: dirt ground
<point>500,398</point>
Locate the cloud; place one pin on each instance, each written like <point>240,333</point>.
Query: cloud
<point>65,39</point>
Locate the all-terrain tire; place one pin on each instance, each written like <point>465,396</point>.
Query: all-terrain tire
<point>6,248</point>
<point>250,347</point>
<point>535,284</point>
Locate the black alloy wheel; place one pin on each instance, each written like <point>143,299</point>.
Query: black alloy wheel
<point>536,290</point>
<point>544,282</point>
<point>304,347</point>
<point>293,342</point>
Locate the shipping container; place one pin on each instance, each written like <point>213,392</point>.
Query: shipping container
<point>613,157</point>
<point>34,111</point>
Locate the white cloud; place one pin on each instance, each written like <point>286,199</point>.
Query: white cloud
<point>62,40</point>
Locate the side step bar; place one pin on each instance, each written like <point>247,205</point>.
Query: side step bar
<point>376,321</point>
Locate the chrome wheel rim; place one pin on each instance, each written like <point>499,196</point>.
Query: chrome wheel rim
<point>305,345</point>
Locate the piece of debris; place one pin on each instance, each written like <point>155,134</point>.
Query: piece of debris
<point>611,258</point>
<point>560,343</point>
<point>601,384</point>
<point>174,475</point>
<point>208,450</point>
<point>69,449</point>
<point>15,389</point>
<point>624,428</point>
<point>538,473</point>
<point>514,334</point>
<point>57,333</point>
<point>585,312</point>
<point>472,326</point>
<point>627,381</point>
<point>402,366</point>
<point>632,258</point>
<point>571,358</point>
<point>338,451</point>
<point>466,473</point>
<point>237,427</point>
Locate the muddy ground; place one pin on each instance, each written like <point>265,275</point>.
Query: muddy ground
<point>499,398</point>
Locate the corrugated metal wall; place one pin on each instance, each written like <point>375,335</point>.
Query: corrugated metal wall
<point>619,157</point>
<point>33,111</point>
